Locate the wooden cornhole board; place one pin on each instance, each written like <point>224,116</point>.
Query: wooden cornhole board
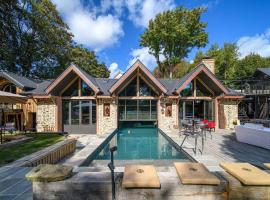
<point>195,174</point>
<point>140,176</point>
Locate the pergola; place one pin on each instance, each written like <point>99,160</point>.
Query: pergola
<point>10,98</point>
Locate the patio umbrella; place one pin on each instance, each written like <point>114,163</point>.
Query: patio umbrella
<point>7,97</point>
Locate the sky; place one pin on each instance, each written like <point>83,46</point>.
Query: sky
<point>112,28</point>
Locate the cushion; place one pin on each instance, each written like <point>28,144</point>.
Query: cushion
<point>140,176</point>
<point>247,173</point>
<point>267,165</point>
<point>195,174</point>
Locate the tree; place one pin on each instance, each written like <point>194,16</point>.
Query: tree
<point>87,60</point>
<point>33,37</point>
<point>173,34</point>
<point>225,60</point>
<point>248,65</point>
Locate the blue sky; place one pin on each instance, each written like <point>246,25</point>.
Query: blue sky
<point>112,28</point>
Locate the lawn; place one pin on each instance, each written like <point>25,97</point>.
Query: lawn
<point>39,142</point>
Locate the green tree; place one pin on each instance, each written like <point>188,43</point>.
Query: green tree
<point>248,65</point>
<point>225,60</point>
<point>173,34</point>
<point>88,61</point>
<point>33,38</point>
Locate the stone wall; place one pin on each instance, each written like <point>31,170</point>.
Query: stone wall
<point>230,113</point>
<point>46,115</point>
<point>168,123</point>
<point>106,124</point>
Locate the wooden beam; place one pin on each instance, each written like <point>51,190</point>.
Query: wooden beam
<point>211,91</point>
<point>77,97</point>
<point>139,97</point>
<point>68,85</point>
<point>149,84</point>
<point>195,98</point>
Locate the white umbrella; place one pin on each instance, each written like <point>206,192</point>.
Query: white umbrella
<point>7,97</point>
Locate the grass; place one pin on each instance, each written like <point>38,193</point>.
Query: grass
<point>39,142</point>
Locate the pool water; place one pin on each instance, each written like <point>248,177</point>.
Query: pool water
<point>140,144</point>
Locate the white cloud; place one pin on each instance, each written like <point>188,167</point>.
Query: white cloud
<point>114,69</point>
<point>97,31</point>
<point>259,43</point>
<point>141,11</point>
<point>145,57</point>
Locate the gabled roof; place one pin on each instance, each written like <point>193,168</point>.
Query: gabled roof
<point>185,80</point>
<point>266,71</point>
<point>137,65</point>
<point>20,81</point>
<point>88,79</point>
<point>40,89</point>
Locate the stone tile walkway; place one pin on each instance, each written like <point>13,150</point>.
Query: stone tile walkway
<point>13,184</point>
<point>223,147</point>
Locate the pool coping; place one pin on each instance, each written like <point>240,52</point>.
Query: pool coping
<point>91,157</point>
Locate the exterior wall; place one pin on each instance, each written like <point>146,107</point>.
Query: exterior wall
<point>106,124</point>
<point>230,110</point>
<point>46,115</point>
<point>167,123</point>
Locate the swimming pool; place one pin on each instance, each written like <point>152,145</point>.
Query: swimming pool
<point>143,143</point>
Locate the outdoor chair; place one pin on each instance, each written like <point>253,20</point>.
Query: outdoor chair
<point>10,127</point>
<point>194,131</point>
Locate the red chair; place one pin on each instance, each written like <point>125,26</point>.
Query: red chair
<point>205,121</point>
<point>210,127</point>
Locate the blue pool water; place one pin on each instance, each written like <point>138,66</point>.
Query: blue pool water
<point>140,144</point>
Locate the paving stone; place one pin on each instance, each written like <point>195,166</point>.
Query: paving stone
<point>18,188</point>
<point>6,183</point>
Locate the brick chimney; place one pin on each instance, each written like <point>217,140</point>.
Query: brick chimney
<point>209,63</point>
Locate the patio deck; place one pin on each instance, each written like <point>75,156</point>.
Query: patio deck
<point>223,147</point>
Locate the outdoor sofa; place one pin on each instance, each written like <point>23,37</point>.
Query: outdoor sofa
<point>254,134</point>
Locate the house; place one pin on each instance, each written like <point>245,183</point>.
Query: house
<point>256,104</point>
<point>79,103</point>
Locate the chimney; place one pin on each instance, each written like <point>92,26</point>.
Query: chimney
<point>209,63</point>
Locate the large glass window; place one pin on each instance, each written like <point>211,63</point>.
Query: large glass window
<point>86,90</point>
<point>145,90</point>
<point>73,90</point>
<point>85,112</point>
<point>144,109</point>
<point>201,109</point>
<point>131,109</point>
<point>153,109</point>
<point>187,91</point>
<point>9,88</point>
<point>76,112</point>
<point>131,89</point>
<point>94,112</point>
<point>201,90</point>
<point>137,109</point>
<point>65,112</point>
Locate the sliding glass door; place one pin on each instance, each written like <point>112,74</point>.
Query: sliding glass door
<point>201,109</point>
<point>79,116</point>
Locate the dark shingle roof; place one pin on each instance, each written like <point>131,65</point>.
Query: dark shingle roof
<point>40,89</point>
<point>171,85</point>
<point>105,84</point>
<point>19,81</point>
<point>265,71</point>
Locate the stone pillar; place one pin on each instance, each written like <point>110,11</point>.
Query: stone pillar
<point>168,123</point>
<point>46,115</point>
<point>106,124</point>
<point>230,113</point>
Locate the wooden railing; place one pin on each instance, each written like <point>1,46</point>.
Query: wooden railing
<point>49,155</point>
